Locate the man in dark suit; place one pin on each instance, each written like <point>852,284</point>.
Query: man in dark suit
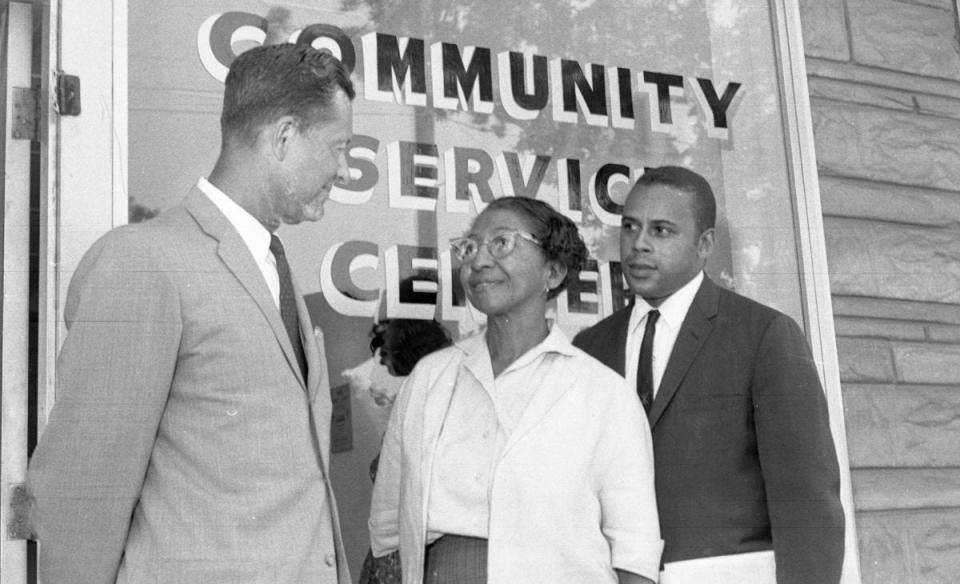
<point>745,462</point>
<point>190,438</point>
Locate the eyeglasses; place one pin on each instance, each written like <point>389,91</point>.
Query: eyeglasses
<point>500,245</point>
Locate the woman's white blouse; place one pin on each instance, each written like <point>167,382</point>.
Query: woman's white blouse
<point>566,490</point>
<point>483,413</point>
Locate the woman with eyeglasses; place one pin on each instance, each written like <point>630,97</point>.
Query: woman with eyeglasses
<point>513,457</point>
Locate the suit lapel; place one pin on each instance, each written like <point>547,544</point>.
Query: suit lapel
<point>318,384</point>
<point>312,347</point>
<point>607,344</point>
<point>236,256</point>
<point>694,331</point>
<point>616,360</point>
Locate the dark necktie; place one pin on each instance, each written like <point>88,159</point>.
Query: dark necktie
<point>288,303</point>
<point>645,365</point>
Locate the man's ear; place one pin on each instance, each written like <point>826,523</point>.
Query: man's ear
<point>705,243</point>
<point>281,134</point>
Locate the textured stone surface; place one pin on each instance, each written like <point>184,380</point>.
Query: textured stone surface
<point>853,73</point>
<point>896,309</point>
<point>906,37</point>
<point>887,133</point>
<point>905,426</point>
<point>846,326</point>
<point>844,91</point>
<point>943,333</point>
<point>945,5</point>
<point>865,360</point>
<point>901,488</point>
<point>927,363</point>
<point>936,105</point>
<point>887,202</point>
<point>887,146</point>
<point>894,95</point>
<point>894,261</point>
<point>910,547</point>
<point>824,29</point>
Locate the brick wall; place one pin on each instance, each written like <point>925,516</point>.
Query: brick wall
<point>884,80</point>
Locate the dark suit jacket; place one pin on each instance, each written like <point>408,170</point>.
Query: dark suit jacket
<point>743,453</point>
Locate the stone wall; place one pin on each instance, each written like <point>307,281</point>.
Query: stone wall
<point>884,80</point>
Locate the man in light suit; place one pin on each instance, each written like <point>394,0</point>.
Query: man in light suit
<point>744,458</point>
<point>189,442</point>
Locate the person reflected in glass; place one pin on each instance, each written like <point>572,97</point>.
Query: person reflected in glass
<point>400,343</point>
<point>512,456</point>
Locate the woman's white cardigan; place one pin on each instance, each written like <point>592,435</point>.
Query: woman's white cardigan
<point>571,498</point>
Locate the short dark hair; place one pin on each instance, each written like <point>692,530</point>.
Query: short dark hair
<point>559,237</point>
<point>690,182</point>
<point>271,81</point>
<point>410,340</point>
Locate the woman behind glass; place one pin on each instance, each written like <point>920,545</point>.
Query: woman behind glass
<point>512,456</point>
<point>401,343</point>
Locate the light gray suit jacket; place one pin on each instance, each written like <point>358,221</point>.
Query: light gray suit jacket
<point>184,445</point>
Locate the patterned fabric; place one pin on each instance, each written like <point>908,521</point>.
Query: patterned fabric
<point>455,559</point>
<point>384,570</point>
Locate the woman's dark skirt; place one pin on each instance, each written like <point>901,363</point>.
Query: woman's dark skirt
<point>456,559</point>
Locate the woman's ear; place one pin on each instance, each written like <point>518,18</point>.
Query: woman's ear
<point>557,272</point>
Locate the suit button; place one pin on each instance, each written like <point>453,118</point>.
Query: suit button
<point>330,559</point>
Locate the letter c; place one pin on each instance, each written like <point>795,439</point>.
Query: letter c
<point>217,35</point>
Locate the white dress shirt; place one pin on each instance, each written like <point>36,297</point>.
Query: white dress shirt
<point>672,312</point>
<point>253,233</point>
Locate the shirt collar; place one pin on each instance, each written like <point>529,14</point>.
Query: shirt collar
<point>672,310</point>
<point>556,341</point>
<point>254,234</point>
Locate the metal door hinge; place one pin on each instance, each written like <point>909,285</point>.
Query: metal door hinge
<point>68,94</point>
<point>18,526</point>
<point>24,125</point>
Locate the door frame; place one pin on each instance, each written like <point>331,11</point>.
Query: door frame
<point>15,153</point>
<point>81,196</point>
